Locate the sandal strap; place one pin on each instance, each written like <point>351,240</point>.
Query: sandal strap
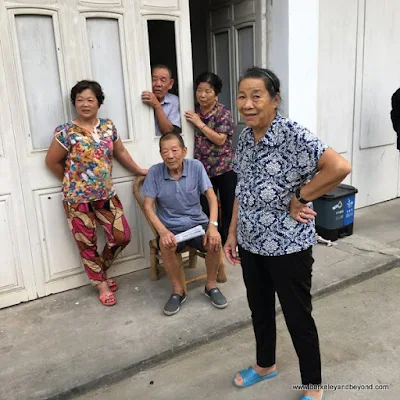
<point>249,375</point>
<point>107,296</point>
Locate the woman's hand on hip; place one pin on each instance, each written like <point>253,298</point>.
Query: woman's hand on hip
<point>194,118</point>
<point>230,249</point>
<point>301,212</point>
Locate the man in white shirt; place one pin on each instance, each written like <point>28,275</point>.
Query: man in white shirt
<point>166,105</point>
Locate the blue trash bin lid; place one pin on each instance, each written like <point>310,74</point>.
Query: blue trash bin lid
<point>341,190</point>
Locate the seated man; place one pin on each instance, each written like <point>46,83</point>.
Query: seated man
<point>165,105</point>
<point>175,186</point>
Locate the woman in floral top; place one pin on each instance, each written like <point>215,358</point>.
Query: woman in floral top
<point>81,156</point>
<point>213,144</point>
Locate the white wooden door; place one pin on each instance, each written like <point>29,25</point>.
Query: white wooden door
<point>17,281</point>
<point>238,40</point>
<point>49,45</point>
<point>375,157</point>
<point>175,12</point>
<point>359,62</point>
<point>337,75</point>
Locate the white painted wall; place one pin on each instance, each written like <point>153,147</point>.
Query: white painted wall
<point>278,57</point>
<point>303,61</point>
<point>293,56</point>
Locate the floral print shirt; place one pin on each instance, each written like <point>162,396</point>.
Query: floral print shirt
<point>269,172</point>
<point>216,159</point>
<point>88,166</point>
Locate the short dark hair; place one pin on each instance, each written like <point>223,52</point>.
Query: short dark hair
<point>271,81</point>
<point>209,77</point>
<point>85,84</point>
<point>162,66</point>
<point>172,135</point>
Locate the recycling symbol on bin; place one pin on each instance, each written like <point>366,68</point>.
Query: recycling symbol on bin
<point>337,206</point>
<point>349,203</point>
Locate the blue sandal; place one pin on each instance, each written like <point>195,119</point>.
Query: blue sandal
<point>251,377</point>
<point>310,398</point>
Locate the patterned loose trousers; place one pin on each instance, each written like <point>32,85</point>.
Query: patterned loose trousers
<point>82,220</point>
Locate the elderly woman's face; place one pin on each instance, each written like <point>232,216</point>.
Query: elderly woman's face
<point>255,104</point>
<point>205,94</point>
<point>86,104</point>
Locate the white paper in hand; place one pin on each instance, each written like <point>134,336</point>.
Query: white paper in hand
<point>190,234</point>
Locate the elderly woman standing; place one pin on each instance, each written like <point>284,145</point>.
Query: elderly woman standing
<point>213,145</point>
<point>281,167</point>
<point>81,156</point>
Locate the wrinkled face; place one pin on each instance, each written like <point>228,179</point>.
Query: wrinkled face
<point>255,104</point>
<point>161,82</point>
<point>205,95</point>
<point>172,153</point>
<point>86,104</point>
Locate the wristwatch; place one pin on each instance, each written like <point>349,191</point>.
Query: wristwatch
<point>299,198</point>
<point>215,223</point>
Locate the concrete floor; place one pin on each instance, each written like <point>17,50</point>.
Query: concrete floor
<point>360,343</point>
<point>68,343</point>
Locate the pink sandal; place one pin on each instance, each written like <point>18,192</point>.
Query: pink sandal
<point>112,285</point>
<point>107,299</point>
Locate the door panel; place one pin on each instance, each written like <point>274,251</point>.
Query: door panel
<point>17,281</point>
<point>375,156</point>
<point>104,40</point>
<point>223,66</point>
<point>233,44</point>
<point>37,56</point>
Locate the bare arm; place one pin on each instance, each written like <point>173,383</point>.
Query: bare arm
<point>231,241</point>
<point>167,238</point>
<point>164,123</point>
<point>215,137</point>
<point>151,215</point>
<point>234,219</point>
<point>125,159</point>
<point>212,237</point>
<point>55,159</point>
<point>212,204</point>
<point>333,168</point>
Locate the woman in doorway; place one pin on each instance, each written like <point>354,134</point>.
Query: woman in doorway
<point>213,144</point>
<point>81,156</point>
<point>277,161</point>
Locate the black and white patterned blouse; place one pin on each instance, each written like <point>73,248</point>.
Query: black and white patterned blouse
<point>269,172</point>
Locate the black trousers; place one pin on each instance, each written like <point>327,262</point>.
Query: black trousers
<point>290,277</point>
<point>224,186</point>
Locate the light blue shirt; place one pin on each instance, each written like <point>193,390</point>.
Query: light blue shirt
<point>269,172</point>
<point>178,201</point>
<point>170,106</point>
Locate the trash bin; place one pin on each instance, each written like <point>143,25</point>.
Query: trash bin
<point>335,212</point>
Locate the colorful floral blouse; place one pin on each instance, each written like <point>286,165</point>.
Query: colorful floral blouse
<point>88,166</point>
<point>216,159</point>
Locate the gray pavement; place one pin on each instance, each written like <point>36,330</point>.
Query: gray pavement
<point>358,328</point>
<point>66,344</point>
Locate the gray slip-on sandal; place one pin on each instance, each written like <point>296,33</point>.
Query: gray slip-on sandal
<point>173,305</point>
<point>217,298</point>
